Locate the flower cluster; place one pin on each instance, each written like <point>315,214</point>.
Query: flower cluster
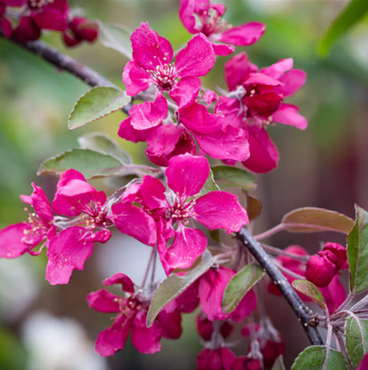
<point>33,16</point>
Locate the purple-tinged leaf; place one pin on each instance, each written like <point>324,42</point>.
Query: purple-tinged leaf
<point>310,290</point>
<point>115,37</point>
<point>310,220</point>
<point>226,177</point>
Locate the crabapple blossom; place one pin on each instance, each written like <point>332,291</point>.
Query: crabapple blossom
<point>80,29</point>
<point>132,313</point>
<point>215,28</point>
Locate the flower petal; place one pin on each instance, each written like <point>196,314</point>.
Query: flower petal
<point>287,114</point>
<point>185,92</point>
<point>277,69</point>
<point>11,245</point>
<point>149,114</point>
<point>222,49</point>
<point>113,339</point>
<point>186,14</point>
<point>104,301</point>
<point>152,193</point>
<point>41,204</point>
<point>263,152</point>
<point>136,78</point>
<point>127,132</point>
<point>244,35</point>
<point>188,245</point>
<point>197,59</point>
<point>292,81</point>
<point>187,174</point>
<point>67,251</point>
<point>220,210</point>
<point>127,284</point>
<point>149,48</point>
<point>230,143</point>
<point>134,222</point>
<point>170,324</point>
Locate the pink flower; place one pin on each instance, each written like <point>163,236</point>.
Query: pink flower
<point>186,176</point>
<point>272,344</point>
<point>205,327</point>
<point>215,28</point>
<point>151,64</point>
<point>93,216</point>
<point>364,363</point>
<point>247,363</point>
<point>132,314</point>
<point>80,29</point>
<point>215,359</point>
<point>211,290</point>
<point>334,294</point>
<point>23,237</point>
<point>323,267</point>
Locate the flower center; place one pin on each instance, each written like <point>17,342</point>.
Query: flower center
<point>37,230</point>
<point>38,4</point>
<point>213,22</point>
<point>165,76</point>
<point>180,211</point>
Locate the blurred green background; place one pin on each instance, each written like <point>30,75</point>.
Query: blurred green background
<point>324,166</point>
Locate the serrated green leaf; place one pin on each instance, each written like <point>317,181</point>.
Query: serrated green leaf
<point>239,286</point>
<point>356,337</point>
<point>209,185</point>
<point>351,15</point>
<point>90,163</point>
<point>317,358</point>
<point>357,252</point>
<point>279,364</point>
<point>226,176</point>
<point>311,219</point>
<point>174,285</point>
<point>101,142</point>
<point>96,103</point>
<point>115,37</point>
<point>310,290</point>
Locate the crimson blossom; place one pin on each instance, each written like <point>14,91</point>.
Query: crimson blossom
<point>256,100</point>
<point>132,314</point>
<point>182,203</point>
<point>215,28</point>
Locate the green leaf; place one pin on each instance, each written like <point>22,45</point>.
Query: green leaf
<point>310,290</point>
<point>209,185</point>
<point>310,219</point>
<point>226,176</point>
<point>115,37</point>
<point>358,252</point>
<point>174,285</point>
<point>356,336</point>
<point>96,103</point>
<point>101,142</point>
<point>239,286</point>
<point>317,358</point>
<point>90,163</point>
<point>352,14</point>
<point>279,364</point>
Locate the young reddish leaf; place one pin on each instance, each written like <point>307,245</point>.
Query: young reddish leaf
<point>174,285</point>
<point>358,252</point>
<point>226,177</point>
<point>317,357</point>
<point>310,219</point>
<point>239,285</point>
<point>279,364</point>
<point>254,207</point>
<point>310,290</point>
<point>90,163</point>
<point>115,37</point>
<point>96,103</point>
<point>101,142</point>
<point>356,334</point>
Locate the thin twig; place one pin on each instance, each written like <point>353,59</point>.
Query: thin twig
<point>302,312</point>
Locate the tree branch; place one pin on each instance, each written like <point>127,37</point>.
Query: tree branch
<point>303,313</point>
<point>63,62</point>
<point>92,78</point>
